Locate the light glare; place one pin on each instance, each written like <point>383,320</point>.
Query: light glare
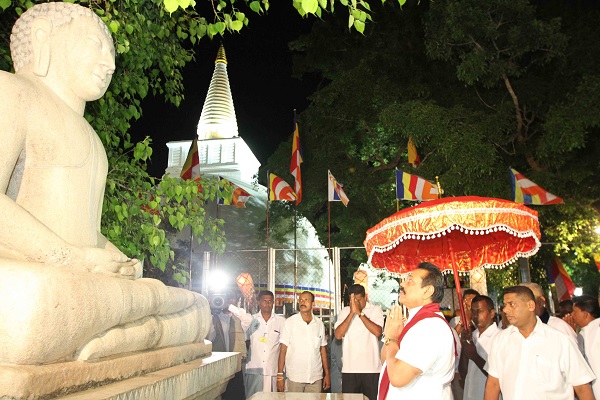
<point>218,281</point>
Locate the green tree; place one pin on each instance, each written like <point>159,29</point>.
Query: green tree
<point>480,86</point>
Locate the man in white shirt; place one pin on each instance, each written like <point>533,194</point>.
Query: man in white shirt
<point>531,360</point>
<point>476,347</point>
<point>359,325</point>
<point>545,317</point>
<point>468,296</point>
<point>419,357</point>
<point>586,314</point>
<point>264,334</point>
<point>303,352</point>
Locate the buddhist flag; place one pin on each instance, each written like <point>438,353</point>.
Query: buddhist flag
<point>558,275</point>
<point>335,191</point>
<point>191,167</point>
<point>413,187</point>
<point>279,189</point>
<point>526,192</point>
<point>295,164</point>
<point>238,198</point>
<point>413,156</point>
<point>597,260</point>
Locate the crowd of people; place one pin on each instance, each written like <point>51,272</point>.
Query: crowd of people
<point>527,354</point>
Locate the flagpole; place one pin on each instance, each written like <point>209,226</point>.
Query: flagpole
<point>295,223</point>
<point>295,163</point>
<point>328,227</point>
<point>396,180</point>
<point>329,238</point>
<point>268,195</point>
<point>295,251</point>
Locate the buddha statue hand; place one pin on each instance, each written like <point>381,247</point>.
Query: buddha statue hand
<point>107,262</point>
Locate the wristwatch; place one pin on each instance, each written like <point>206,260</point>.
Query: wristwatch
<point>388,340</point>
<point>362,314</point>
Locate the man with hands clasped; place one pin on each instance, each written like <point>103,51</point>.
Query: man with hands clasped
<point>303,353</point>
<point>360,326</point>
<point>419,356</point>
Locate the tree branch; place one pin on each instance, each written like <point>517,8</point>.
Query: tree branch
<point>392,164</point>
<point>520,128</point>
<point>483,101</point>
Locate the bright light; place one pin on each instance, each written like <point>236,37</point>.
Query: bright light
<point>218,281</point>
<point>578,291</point>
<point>597,230</point>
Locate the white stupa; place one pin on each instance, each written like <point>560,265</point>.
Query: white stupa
<point>223,152</point>
<point>220,148</point>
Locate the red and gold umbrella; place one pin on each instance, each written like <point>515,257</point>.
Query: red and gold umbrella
<point>458,234</point>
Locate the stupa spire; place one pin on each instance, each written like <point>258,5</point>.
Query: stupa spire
<point>221,57</point>
<point>218,113</point>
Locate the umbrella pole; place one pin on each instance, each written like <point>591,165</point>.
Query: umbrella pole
<point>463,315</point>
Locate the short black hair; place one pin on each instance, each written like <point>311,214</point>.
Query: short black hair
<point>522,291</point>
<point>489,302</point>
<point>265,293</point>
<point>357,289</point>
<point>589,304</point>
<point>311,295</point>
<point>435,278</point>
<point>471,292</point>
<point>565,307</point>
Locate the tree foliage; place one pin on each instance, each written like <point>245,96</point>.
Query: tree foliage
<point>480,86</point>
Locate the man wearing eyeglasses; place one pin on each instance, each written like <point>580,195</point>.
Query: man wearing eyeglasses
<point>303,352</point>
<point>263,355</point>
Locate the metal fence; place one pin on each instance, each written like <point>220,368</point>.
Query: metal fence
<point>289,272</point>
<point>286,272</point>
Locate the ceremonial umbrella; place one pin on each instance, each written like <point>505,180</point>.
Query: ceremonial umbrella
<point>458,234</point>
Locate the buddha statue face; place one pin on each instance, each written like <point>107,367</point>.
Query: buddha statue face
<point>82,58</point>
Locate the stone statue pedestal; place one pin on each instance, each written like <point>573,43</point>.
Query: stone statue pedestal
<point>204,379</point>
<point>201,378</point>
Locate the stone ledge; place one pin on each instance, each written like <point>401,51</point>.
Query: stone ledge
<point>200,379</point>
<point>38,382</point>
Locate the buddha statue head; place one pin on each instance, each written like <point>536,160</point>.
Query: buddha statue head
<point>67,45</point>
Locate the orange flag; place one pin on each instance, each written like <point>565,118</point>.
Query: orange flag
<point>413,156</point>
<point>191,167</point>
<point>295,164</point>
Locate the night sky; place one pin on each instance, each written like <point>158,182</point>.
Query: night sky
<point>264,93</point>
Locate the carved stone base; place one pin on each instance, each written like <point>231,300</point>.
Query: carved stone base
<point>174,367</point>
<point>200,379</point>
